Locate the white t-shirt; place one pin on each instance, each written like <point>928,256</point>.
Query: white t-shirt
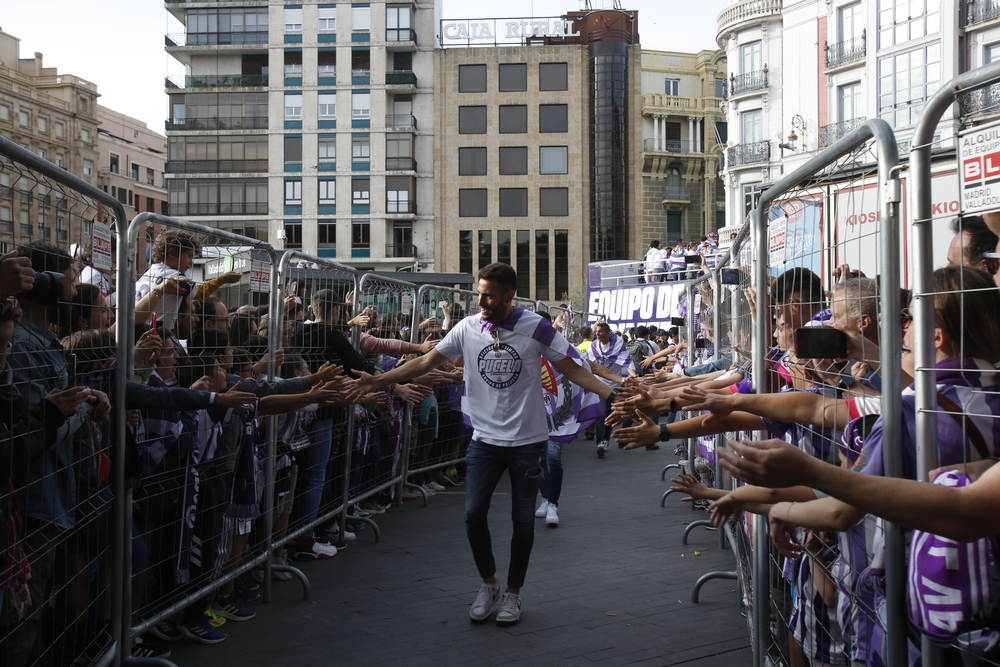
<point>503,394</point>
<point>166,310</point>
<point>654,260</point>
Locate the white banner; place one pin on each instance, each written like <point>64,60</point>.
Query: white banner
<point>979,168</point>
<point>101,247</point>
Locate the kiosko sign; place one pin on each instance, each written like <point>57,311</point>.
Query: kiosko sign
<point>503,31</point>
<point>979,162</point>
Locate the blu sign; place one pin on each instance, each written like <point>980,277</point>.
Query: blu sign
<point>631,305</point>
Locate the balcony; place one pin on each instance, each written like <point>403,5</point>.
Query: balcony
<point>221,81</point>
<point>400,164</point>
<point>401,206</point>
<point>400,250</point>
<point>401,78</point>
<point>742,12</point>
<point>981,12</point>
<point>982,101</point>
<point>740,84</point>
<point>667,146</point>
<point>400,121</point>
<point>829,134</point>
<point>673,194</point>
<point>215,166</point>
<point>216,38</point>
<point>849,51</point>
<point>400,37</point>
<point>752,153</point>
<point>215,208</point>
<point>218,123</point>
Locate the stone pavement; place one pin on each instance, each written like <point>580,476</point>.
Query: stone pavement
<point>610,586</point>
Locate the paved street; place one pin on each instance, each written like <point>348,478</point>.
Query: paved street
<point>611,585</point>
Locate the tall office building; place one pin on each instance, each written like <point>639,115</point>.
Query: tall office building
<point>308,125</point>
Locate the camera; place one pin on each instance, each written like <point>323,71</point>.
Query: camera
<point>702,343</point>
<point>677,321</point>
<point>692,259</point>
<point>732,276</point>
<point>820,343</point>
<point>47,290</point>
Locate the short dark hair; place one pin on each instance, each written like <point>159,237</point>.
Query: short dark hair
<point>207,307</point>
<point>655,243</point>
<point>46,256</point>
<point>586,332</point>
<point>800,283</point>
<point>190,369</point>
<point>602,324</point>
<point>641,331</point>
<point>673,332</point>
<point>545,316</point>
<point>503,274</point>
<point>208,342</point>
<point>982,239</point>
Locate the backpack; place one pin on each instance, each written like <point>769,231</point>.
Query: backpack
<point>638,350</point>
<point>951,591</point>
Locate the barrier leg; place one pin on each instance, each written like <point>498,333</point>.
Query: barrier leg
<point>298,574</point>
<point>691,526</point>
<point>705,578</point>
<point>378,535</point>
<point>669,466</point>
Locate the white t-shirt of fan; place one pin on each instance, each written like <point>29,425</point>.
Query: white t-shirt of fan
<point>503,400</point>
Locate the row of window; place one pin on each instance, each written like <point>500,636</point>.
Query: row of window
<point>326,105</point>
<point>135,169</point>
<point>512,77</point>
<point>326,237</point>
<point>397,17</point>
<point>513,160</point>
<point>43,230</point>
<point>400,193</point>
<point>514,248</point>
<point>41,122</point>
<point>513,202</point>
<point>513,119</point>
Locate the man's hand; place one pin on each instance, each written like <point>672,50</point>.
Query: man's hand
<point>431,323</point>
<point>697,399</point>
<point>327,393</point>
<point>365,383</point>
<point>326,373</point>
<point>16,274</point>
<point>771,463</point>
<point>68,400</point>
<point>646,433</point>
<point>102,406</point>
<point>147,349</point>
<point>412,393</point>
<point>239,400</point>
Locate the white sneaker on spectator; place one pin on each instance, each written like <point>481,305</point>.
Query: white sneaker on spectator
<point>485,599</point>
<point>542,509</point>
<point>434,485</point>
<point>334,534</point>
<point>510,609</point>
<point>410,493</point>
<point>430,490</point>
<point>551,516</point>
<point>281,576</point>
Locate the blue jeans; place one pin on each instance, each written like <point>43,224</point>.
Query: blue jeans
<point>485,465</point>
<point>317,456</point>
<point>719,365</point>
<point>551,485</point>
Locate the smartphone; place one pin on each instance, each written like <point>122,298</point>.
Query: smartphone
<point>692,259</point>
<point>676,321</point>
<point>732,276</point>
<point>702,343</point>
<point>820,343</point>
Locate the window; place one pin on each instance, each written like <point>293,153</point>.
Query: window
<point>7,220</point>
<point>503,246</point>
<point>24,118</point>
<point>328,191</point>
<point>5,115</point>
<point>553,118</point>
<point>513,202</point>
<point>561,263</point>
<point>399,194</point>
<point>60,160</point>
<point>293,149</point>
<point>991,53</point>
<point>326,234</point>
<point>513,77</point>
<point>293,106</point>
<point>720,88</point>
<point>25,223</point>
<point>671,87</point>
<point>542,264</point>
<point>293,21</point>
<point>906,80</point>
<point>88,167</point>
<point>513,119</point>
<point>293,193</point>
<point>472,203</point>
<point>293,63</point>
<point>327,20</point>
<point>360,191</point>
<point>293,234</point>
<point>135,171</point>
<point>849,101</point>
<point>485,248</point>
<point>553,201</point>
<point>464,249</point>
<point>513,160</point>
<point>472,161</point>
<point>523,267</point>
<point>60,130</point>
<point>752,126</point>
<point>552,76</point>
<point>149,176</point>
<point>85,135</point>
<point>327,149</point>
<point>472,78</point>
<point>326,63</point>
<point>901,22</point>
<point>360,148</point>
<point>361,19</point>
<point>361,104</point>
<point>751,57</point>
<point>327,105</point>
<point>361,62</point>
<point>397,24</point>
<point>361,235</point>
<point>472,120</point>
<point>553,160</point>
<point>113,164</point>
<point>43,124</point>
<point>850,21</point>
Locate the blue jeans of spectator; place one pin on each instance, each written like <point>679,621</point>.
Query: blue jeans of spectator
<point>603,432</point>
<point>551,485</point>
<point>317,455</point>
<point>485,465</point>
<point>722,364</point>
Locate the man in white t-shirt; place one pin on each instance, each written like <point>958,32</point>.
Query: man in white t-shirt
<point>655,259</point>
<point>503,347</point>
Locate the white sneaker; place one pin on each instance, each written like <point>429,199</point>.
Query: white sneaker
<point>510,609</point>
<point>435,486</point>
<point>552,516</point>
<point>429,489</point>
<point>334,534</point>
<point>540,512</point>
<point>280,576</point>
<point>485,599</point>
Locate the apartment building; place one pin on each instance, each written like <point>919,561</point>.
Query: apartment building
<point>132,162</point>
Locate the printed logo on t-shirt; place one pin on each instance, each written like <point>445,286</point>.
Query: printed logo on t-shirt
<point>500,367</point>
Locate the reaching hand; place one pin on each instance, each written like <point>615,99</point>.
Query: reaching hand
<point>725,508</point>
<point>16,274</point>
<point>147,348</point>
<point>229,277</point>
<point>646,433</point>
<point>365,383</point>
<point>690,485</point>
<point>240,400</point>
<point>428,345</point>
<point>771,463</point>
<point>326,373</point>
<point>412,393</point>
<point>68,400</point>
<point>784,537</point>
<point>326,393</point>
<point>698,399</point>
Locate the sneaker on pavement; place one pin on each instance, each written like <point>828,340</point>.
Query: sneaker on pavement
<point>334,534</point>
<point>247,590</point>
<point>202,631</point>
<point>313,549</point>
<point>166,630</point>
<point>435,486</point>
<point>230,607</point>
<point>602,448</point>
<point>143,648</point>
<point>443,480</point>
<point>430,491</point>
<point>411,494</point>
<point>257,574</point>
<point>540,512</point>
<point>485,599</point>
<point>551,516</point>
<point>510,609</point>
<point>213,618</point>
<point>373,508</point>
<point>280,576</point>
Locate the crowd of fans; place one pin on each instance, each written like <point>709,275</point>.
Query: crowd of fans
<point>683,261</point>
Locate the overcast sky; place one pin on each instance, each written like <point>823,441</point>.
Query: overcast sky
<point>118,44</point>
